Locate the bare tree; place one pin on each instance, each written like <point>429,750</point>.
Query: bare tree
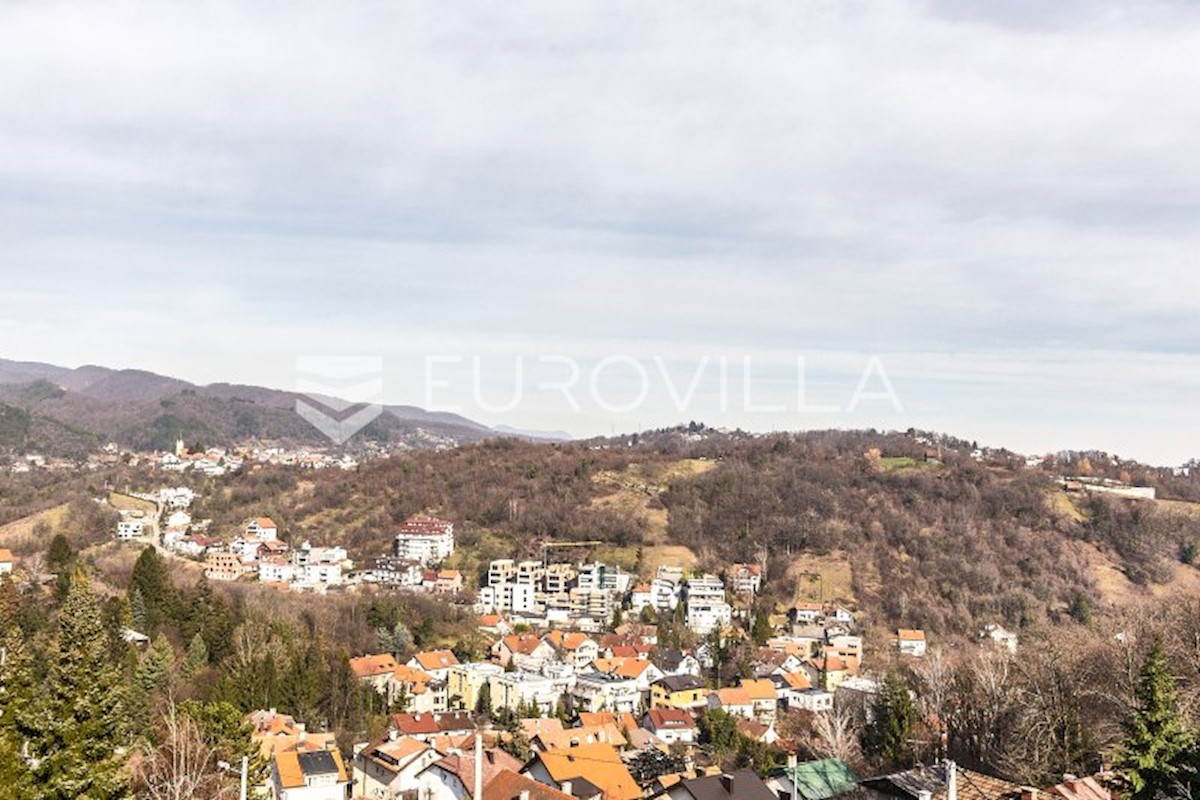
<point>182,766</point>
<point>835,735</point>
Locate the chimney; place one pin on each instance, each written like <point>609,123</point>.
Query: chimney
<point>566,787</point>
<point>393,734</point>
<point>791,773</point>
<point>727,783</point>
<point>524,795</point>
<point>478,794</point>
<point>951,780</point>
<point>1029,793</point>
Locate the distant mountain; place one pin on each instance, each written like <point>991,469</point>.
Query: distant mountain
<point>537,436</point>
<point>68,411</point>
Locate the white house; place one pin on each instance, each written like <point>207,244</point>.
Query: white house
<point>595,691</point>
<point>672,725</point>
<point>130,529</point>
<point>910,642</point>
<point>315,775</point>
<point>391,766</point>
<point>514,690</point>
<point>706,607</point>
<point>425,540</point>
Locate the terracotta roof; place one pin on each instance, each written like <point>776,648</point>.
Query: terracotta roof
<point>733,697</point>
<point>266,522</point>
<point>449,574</point>
<point>909,635</point>
<point>670,718</point>
<point>508,785</point>
<point>398,752</point>
<point>632,668</point>
<point>1080,789</point>
<point>621,720</point>
<point>796,680</point>
<point>436,659</point>
<point>426,723</point>
<point>599,764</point>
<point>575,737</point>
<point>761,689</point>
<point>567,640</point>
<point>6,555</point>
<point>370,666</point>
<point>411,675</point>
<point>523,643</point>
<point>293,766</point>
<point>462,764</point>
<point>490,620</point>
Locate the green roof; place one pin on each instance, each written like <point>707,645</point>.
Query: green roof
<point>820,780</point>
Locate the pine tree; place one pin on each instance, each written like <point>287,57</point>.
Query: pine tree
<point>16,693</point>
<point>138,615</point>
<point>1157,744</point>
<point>887,737</point>
<point>150,579</point>
<point>197,655</point>
<point>77,734</point>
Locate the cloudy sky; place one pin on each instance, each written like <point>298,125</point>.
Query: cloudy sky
<point>980,217</point>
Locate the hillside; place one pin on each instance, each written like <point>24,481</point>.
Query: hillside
<point>63,411</point>
<point>946,546</point>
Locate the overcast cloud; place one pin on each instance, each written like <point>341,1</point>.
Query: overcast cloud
<point>999,200</point>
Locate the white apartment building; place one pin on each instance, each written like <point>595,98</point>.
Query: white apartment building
<point>130,529</point>
<point>596,691</point>
<point>518,598</point>
<point>425,540</point>
<point>706,607</point>
<point>511,690</point>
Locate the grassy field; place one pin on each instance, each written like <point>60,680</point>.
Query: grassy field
<point>124,502</point>
<point>1064,504</point>
<point>669,555</point>
<point>19,534</point>
<point>835,581</point>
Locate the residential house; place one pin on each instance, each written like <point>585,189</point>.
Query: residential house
<point>316,775</point>
<point>453,777</point>
<point>813,780</point>
<point>523,690</point>
<point>595,691</point>
<point>526,650</point>
<point>374,670</point>
<point>706,607</point>
<point>677,662</point>
<point>415,690</point>
<point>585,771</point>
<point>1000,636</point>
<point>939,782</point>
<point>740,785</point>
<point>745,579</point>
<point>6,561</point>
<point>807,613</point>
<point>763,698</point>
<point>449,581</point>
<point>508,785</point>
<point>222,565</point>
<point>262,528</point>
<point>678,691</point>
<point>428,726</point>
<point>672,725</point>
<point>577,650</point>
<point>911,642</point>
<point>393,571</point>
<point>795,690</point>
<point>732,700</point>
<point>425,540</point>
<point>391,766</point>
<point>574,737</point>
<point>435,662</point>
<point>280,733</point>
<point>465,682</point>
<point>130,529</point>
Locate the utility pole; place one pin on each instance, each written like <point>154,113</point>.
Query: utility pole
<point>245,769</point>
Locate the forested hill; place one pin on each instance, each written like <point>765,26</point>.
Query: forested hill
<point>946,540</point>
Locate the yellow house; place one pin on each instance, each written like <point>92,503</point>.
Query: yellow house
<point>678,691</point>
<point>465,681</point>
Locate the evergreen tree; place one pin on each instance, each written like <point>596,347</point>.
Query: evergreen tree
<point>150,579</point>
<point>139,617</point>
<point>77,729</point>
<point>16,693</point>
<point>887,737</point>
<point>197,655</point>
<point>1157,744</point>
<point>761,631</point>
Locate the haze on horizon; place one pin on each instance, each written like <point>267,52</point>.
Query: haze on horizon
<point>999,203</point>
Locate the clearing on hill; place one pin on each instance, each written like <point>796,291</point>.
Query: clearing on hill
<point>19,534</point>
<point>820,578</point>
<point>636,488</point>
<point>666,555</point>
